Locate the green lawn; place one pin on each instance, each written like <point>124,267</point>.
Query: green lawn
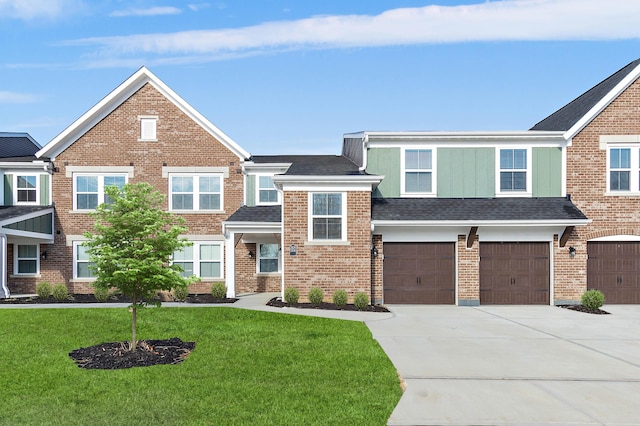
<point>248,367</point>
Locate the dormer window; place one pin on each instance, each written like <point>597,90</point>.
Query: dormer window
<point>267,193</point>
<point>148,128</point>
<point>26,189</point>
<point>514,172</point>
<point>418,172</point>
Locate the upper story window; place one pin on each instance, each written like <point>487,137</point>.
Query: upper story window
<point>268,258</point>
<point>189,192</point>
<point>620,169</point>
<point>27,261</point>
<point>88,189</point>
<point>26,187</point>
<point>418,171</point>
<point>327,216</point>
<point>514,172</point>
<point>267,192</point>
<point>202,259</point>
<point>148,128</point>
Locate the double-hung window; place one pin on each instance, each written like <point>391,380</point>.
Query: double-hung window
<point>418,171</point>
<point>89,189</point>
<point>26,189</point>
<point>82,268</point>
<point>328,216</point>
<point>267,193</point>
<point>202,259</point>
<point>514,175</point>
<point>620,176</point>
<point>268,258</point>
<point>195,192</point>
<point>26,259</point>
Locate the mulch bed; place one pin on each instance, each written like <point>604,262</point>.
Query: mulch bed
<point>90,298</point>
<point>115,355</point>
<point>581,308</point>
<point>278,303</point>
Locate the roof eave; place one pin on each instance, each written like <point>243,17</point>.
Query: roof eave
<point>489,223</point>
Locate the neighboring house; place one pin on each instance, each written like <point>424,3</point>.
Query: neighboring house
<point>466,218</point>
<point>26,213</point>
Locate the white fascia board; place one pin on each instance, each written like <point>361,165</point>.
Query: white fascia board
<point>327,183</point>
<point>250,166</point>
<point>486,223</point>
<point>41,238</point>
<point>7,166</point>
<point>115,99</point>
<point>603,103</point>
<point>489,136</point>
<point>252,227</point>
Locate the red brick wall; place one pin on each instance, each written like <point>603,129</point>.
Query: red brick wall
<point>247,279</point>
<point>330,267</point>
<point>114,142</point>
<point>468,272</point>
<point>377,265</point>
<point>586,182</point>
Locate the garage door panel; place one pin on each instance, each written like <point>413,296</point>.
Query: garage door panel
<point>613,268</point>
<point>419,273</point>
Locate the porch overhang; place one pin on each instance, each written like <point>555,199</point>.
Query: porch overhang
<point>34,222</point>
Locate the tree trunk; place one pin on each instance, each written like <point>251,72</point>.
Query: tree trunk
<point>134,342</point>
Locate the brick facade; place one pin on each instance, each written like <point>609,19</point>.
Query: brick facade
<point>248,280</point>
<point>468,271</point>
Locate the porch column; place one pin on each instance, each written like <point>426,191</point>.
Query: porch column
<point>4,290</point>
<point>230,259</point>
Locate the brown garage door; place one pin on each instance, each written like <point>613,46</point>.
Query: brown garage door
<point>419,273</point>
<point>613,268</point>
<point>514,273</point>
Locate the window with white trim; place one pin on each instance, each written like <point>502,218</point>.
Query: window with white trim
<point>82,268</point>
<point>267,192</point>
<point>268,258</point>
<point>88,189</point>
<point>26,189</point>
<point>623,172</point>
<point>148,127</point>
<point>195,192</point>
<point>327,216</point>
<point>202,259</point>
<point>418,171</point>
<point>27,261</point>
<point>514,172</point>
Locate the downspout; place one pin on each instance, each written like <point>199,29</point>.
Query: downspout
<point>3,280</point>
<point>365,145</point>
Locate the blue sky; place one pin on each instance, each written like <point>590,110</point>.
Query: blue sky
<point>293,76</point>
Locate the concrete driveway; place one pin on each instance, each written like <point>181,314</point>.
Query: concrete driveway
<point>514,364</point>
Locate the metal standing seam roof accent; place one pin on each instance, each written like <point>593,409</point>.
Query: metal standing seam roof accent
<point>480,209</point>
<point>271,214</point>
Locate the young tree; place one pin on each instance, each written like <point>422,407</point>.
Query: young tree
<point>132,244</point>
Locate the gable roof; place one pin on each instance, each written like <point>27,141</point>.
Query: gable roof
<point>575,115</point>
<point>312,165</point>
<point>114,99</point>
<point>17,147</point>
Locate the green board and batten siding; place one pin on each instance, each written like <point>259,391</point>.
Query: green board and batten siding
<point>385,162</point>
<point>250,190</point>
<point>43,190</point>
<point>547,172</point>
<point>466,172</point>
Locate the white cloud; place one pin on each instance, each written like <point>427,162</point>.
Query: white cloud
<point>17,98</point>
<point>508,20</point>
<point>152,11</point>
<point>36,9</point>
<point>198,6</point>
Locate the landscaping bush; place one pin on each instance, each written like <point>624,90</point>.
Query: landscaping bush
<point>60,292</point>
<point>291,295</point>
<point>592,299</point>
<point>219,290</point>
<point>316,296</point>
<point>340,298</point>
<point>181,293</point>
<point>101,294</point>
<point>361,300</point>
<point>43,290</point>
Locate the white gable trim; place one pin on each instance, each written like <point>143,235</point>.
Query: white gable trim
<point>114,99</point>
<point>603,103</point>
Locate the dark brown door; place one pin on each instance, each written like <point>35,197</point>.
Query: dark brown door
<point>613,268</point>
<point>514,273</point>
<point>421,273</point>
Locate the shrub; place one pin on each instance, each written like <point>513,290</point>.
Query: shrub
<point>181,293</point>
<point>291,295</point>
<point>43,290</point>
<point>592,299</point>
<point>60,292</point>
<point>219,290</point>
<point>101,294</point>
<point>316,296</point>
<point>340,298</point>
<point>361,300</point>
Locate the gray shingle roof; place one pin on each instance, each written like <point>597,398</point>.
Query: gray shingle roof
<point>17,147</point>
<point>13,212</point>
<point>257,214</point>
<point>313,165</point>
<point>564,118</point>
<point>480,209</point>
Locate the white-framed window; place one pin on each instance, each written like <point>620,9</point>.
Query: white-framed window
<point>189,192</point>
<point>327,216</point>
<point>418,173</point>
<point>148,127</point>
<point>26,188</point>
<point>268,258</point>
<point>26,259</point>
<point>622,165</point>
<point>202,259</point>
<point>266,192</point>
<point>88,189</point>
<point>81,265</point>
<point>514,171</point>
